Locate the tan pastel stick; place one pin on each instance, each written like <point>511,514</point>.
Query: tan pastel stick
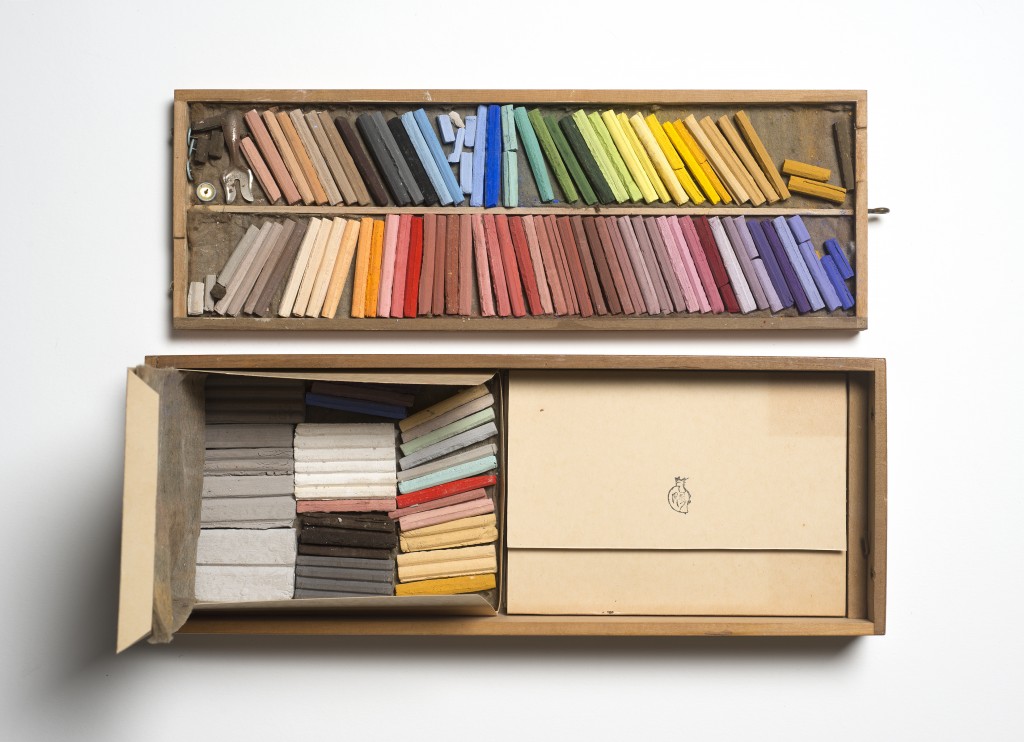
<point>312,268</point>
<point>345,158</point>
<point>474,521</point>
<point>291,288</point>
<point>803,170</point>
<point>726,153</point>
<point>761,154</point>
<point>466,395</point>
<point>342,266</point>
<point>451,539</point>
<point>736,141</point>
<point>319,194</point>
<point>447,585</point>
<point>323,143</point>
<point>362,267</point>
<point>734,186</point>
<point>291,164</point>
<point>273,157</point>
<point>323,276</point>
<point>316,157</point>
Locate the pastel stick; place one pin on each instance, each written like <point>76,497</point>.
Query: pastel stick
<point>586,129</point>
<point>585,250</point>
<point>689,265</point>
<point>362,161</point>
<point>463,470</point>
<point>405,146</point>
<point>234,260</point>
<point>382,155</point>
<point>661,251</point>
<point>470,454</point>
<point>449,445</point>
<point>732,266</point>
<point>798,228</point>
<point>675,256</point>
<point>824,286</point>
<point>483,276</point>
<point>413,273</point>
<point>426,292</point>
<point>456,154</point>
<point>492,176</point>
<point>537,260</point>
<point>426,159</point>
<point>604,273</point>
<point>832,271</point>
<point>270,277</point>
<point>438,502</point>
<point>415,194</point>
<point>740,226</point>
<point>602,229</point>
<point>632,283</point>
<point>509,180</point>
<point>547,145</point>
<point>700,259</point>
<point>362,195</point>
<point>771,263</point>
<point>612,154</point>
<point>448,431</point>
<point>833,248</point>
<point>644,281</point>
<point>707,241</point>
<point>524,260</point>
<point>788,272</point>
<point>439,157</point>
<point>588,163</point>
<point>401,266</point>
<point>743,258</point>
<point>803,274</point>
<point>572,164</point>
<point>533,154</point>
<point>508,130</point>
<point>575,265</point>
<point>510,266</point>
<point>444,124</point>
<point>392,224</point>
<point>466,172</point>
<point>476,198</point>
<point>470,139</point>
<point>437,304</point>
<point>561,266</point>
<point>636,226</point>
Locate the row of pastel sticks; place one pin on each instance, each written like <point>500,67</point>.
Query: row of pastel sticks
<point>444,510</point>
<point>350,555</point>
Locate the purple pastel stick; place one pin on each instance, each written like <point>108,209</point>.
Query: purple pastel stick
<point>837,281</point>
<point>825,287</point>
<point>762,273</point>
<point>800,267</point>
<point>839,256</point>
<point>760,298</point>
<point>799,297</point>
<point>770,262</point>
<point>799,229</point>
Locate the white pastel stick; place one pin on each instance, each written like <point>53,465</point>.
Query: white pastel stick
<point>208,300</point>
<point>248,467</point>
<point>739,284</point>
<point>449,445</point>
<point>240,546</point>
<point>291,288</point>
<point>247,486</point>
<point>231,584</point>
<point>231,287</point>
<point>248,454</point>
<point>353,479</point>
<point>230,509</point>
<point>472,454</point>
<point>346,467</point>
<point>381,429</point>
<point>345,454</point>
<point>237,255</point>
<point>195,299</point>
<point>323,279</point>
<point>316,257</point>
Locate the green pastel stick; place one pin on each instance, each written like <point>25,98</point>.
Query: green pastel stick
<point>587,161</point>
<point>603,163</point>
<point>449,430</point>
<point>571,163</point>
<point>451,474</point>
<point>533,155</point>
<point>508,130</point>
<point>612,152</point>
<point>547,144</point>
<point>510,180</point>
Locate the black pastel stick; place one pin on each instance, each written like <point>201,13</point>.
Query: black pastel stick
<point>419,174</point>
<point>415,194</point>
<point>362,160</point>
<point>385,162</point>
<point>587,162</point>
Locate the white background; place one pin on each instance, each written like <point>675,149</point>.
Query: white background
<point>85,185</point>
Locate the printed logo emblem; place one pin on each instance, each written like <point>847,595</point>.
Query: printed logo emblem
<point>679,497</point>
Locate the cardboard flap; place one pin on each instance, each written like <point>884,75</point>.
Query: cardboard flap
<point>677,460</point>
<point>138,515</point>
<point>454,378</point>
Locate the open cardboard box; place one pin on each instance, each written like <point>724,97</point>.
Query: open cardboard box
<point>637,495</point>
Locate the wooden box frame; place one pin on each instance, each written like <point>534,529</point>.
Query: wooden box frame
<point>760,320</point>
<point>866,505</point>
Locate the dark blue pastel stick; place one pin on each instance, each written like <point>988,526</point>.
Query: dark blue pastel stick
<point>492,177</point>
<point>390,411</point>
<point>799,297</point>
<point>434,145</point>
<point>837,281</point>
<point>764,250</point>
<point>824,286</point>
<point>799,229</point>
<point>833,248</point>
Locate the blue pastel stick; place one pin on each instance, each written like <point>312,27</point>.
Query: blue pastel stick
<point>842,264</point>
<point>798,228</point>
<point>803,274</point>
<point>837,281</point>
<point>828,292</point>
<point>470,139</point>
<point>799,297</point>
<point>492,177</point>
<point>392,412</point>
<point>420,145</point>
<point>764,250</point>
<point>479,157</point>
<point>435,149</point>
<point>466,172</point>
<point>451,474</point>
<point>444,123</point>
<point>456,153</point>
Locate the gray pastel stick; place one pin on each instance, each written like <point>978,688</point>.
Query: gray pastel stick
<point>249,467</point>
<point>236,257</point>
<point>345,573</point>
<point>239,546</point>
<point>449,445</point>
<point>472,454</point>
<point>396,155</point>
<point>231,287</point>
<point>365,588</point>
<point>247,486</point>
<point>208,300</point>
<point>231,509</point>
<point>374,565</point>
<point>249,436</point>
<point>305,593</point>
<point>471,407</point>
<point>289,228</point>
<point>247,454</point>
<point>252,273</point>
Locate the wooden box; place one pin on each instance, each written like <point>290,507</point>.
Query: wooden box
<point>149,558</point>
<point>792,124</point>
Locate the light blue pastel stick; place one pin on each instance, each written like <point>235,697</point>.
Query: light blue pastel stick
<point>479,158</point>
<point>420,145</point>
<point>451,474</point>
<point>466,172</point>
<point>456,153</point>
<point>444,123</point>
<point>435,149</point>
<point>470,137</point>
<point>798,228</point>
<point>803,275</point>
<point>450,445</point>
<point>828,291</point>
<point>533,155</point>
<point>509,143</point>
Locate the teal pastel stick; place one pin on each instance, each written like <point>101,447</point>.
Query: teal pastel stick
<point>508,130</point>
<point>423,153</point>
<point>439,156</point>
<point>451,474</point>
<point>533,154</point>
<point>449,430</point>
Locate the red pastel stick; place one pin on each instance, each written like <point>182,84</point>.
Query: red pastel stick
<point>572,257</point>
<point>412,276</point>
<point>483,276</point>
<point>426,292</point>
<point>465,265</point>
<point>700,258</point>
<point>497,270</point>
<point>550,267</point>
<point>508,259</point>
<point>707,242</point>
<point>526,274</point>
<point>440,242</point>
<point>451,265</point>
<point>443,490</point>
<point>401,266</point>
<point>435,504</point>
<point>568,289</point>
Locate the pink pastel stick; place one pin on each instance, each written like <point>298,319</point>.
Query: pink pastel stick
<point>345,506</point>
<point>442,502</point>
<point>700,258</point>
<point>636,258</point>
<point>401,266</point>
<point>443,515</point>
<point>483,276</point>
<point>387,265</point>
<point>689,266</point>
<point>668,236</point>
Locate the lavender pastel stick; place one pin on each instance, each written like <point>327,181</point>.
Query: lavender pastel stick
<point>828,292</point>
<point>771,264</point>
<point>759,268</point>
<point>837,281</point>
<point>803,273</point>
<point>760,298</point>
<point>799,297</point>
<point>798,228</point>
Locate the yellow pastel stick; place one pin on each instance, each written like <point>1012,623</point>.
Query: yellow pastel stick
<point>691,163</point>
<point>689,186</point>
<point>659,136</point>
<point>373,275</point>
<point>597,150</point>
<point>629,156</point>
<point>702,160</point>
<point>447,585</point>
<point>643,133</point>
<point>612,153</point>
<point>641,155</point>
<point>362,267</point>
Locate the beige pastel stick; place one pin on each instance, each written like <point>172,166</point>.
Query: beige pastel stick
<point>446,555</point>
<point>671,182</point>
<point>323,276</point>
<point>474,521</point>
<point>717,162</point>
<point>466,395</point>
<point>760,153</point>
<point>323,173</point>
<point>756,197</point>
<point>312,269</point>
<point>291,163</point>
<point>345,158</point>
<point>342,267</point>
<point>323,143</point>
<point>231,288</point>
<point>291,288</point>
<point>466,537</point>
<point>362,267</point>
<point>747,158</point>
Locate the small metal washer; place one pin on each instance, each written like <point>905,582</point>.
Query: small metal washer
<point>206,192</point>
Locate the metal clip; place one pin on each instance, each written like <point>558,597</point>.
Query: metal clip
<point>879,210</point>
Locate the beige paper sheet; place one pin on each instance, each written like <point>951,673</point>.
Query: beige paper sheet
<point>594,457</point>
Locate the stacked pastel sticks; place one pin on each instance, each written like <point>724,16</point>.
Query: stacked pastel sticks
<point>249,399</point>
<point>364,399</point>
<point>445,513</point>
<point>345,555</point>
<point>245,565</point>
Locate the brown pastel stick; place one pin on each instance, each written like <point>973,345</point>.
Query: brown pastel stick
<point>362,196</point>
<point>760,153</point>
<point>483,276</point>
<point>270,267</point>
<point>732,183</point>
<point>639,232</point>
<point>305,164</point>
<point>618,278</point>
<point>603,270</point>
<point>291,162</point>
<point>465,265</point>
<point>572,306</point>
<point>426,295</point>
<point>741,150</point>
<point>632,284</point>
<point>636,260</point>
<point>572,256</point>
<point>323,143</point>
<point>323,173</point>
<point>370,177</point>
<point>260,170</point>
<point>451,265</point>
<point>440,245</point>
<point>272,157</point>
<point>725,151</point>
<point>589,270</point>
